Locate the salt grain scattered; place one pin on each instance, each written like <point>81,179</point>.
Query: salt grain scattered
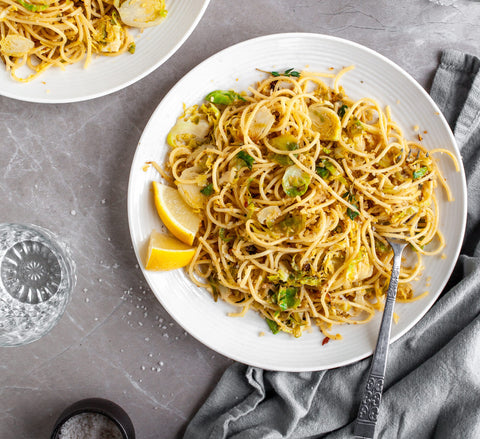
<point>73,212</point>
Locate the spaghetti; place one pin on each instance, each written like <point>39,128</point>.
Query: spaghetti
<point>298,186</point>
<point>39,34</point>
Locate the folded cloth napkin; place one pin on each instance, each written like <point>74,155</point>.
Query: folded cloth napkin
<point>432,386</point>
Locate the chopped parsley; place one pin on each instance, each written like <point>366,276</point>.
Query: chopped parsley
<point>352,214</point>
<point>323,172</point>
<point>273,325</point>
<point>287,298</point>
<point>207,190</point>
<point>246,158</point>
<point>342,110</point>
<point>419,173</point>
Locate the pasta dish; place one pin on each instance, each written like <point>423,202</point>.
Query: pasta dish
<point>297,187</point>
<point>39,34</point>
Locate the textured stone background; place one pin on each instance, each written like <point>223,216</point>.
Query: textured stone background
<point>66,167</point>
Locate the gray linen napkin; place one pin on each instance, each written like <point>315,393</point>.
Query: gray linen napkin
<point>432,387</point>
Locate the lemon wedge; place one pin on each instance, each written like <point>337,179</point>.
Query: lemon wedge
<point>178,217</point>
<point>325,121</point>
<point>167,253</point>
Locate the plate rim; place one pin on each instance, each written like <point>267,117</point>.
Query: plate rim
<point>455,250</point>
<point>124,84</point>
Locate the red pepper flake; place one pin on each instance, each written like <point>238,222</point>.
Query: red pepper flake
<point>325,341</point>
<point>420,137</point>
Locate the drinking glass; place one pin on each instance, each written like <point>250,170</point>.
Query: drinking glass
<point>37,276</point>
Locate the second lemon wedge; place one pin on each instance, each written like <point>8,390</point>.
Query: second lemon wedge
<point>178,217</point>
<point>167,253</point>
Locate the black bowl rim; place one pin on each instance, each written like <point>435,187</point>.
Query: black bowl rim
<point>100,406</point>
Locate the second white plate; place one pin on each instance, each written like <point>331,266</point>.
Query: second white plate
<point>107,74</point>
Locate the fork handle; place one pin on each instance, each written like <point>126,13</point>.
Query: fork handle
<point>372,393</point>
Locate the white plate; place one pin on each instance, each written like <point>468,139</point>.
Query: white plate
<point>106,74</point>
<point>374,76</point>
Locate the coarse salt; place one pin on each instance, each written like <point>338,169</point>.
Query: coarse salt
<point>89,426</point>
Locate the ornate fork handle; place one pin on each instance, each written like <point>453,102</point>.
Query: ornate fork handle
<point>372,394</point>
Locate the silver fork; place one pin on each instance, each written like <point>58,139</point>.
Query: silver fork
<point>372,393</point>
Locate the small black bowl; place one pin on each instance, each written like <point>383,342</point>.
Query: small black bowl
<point>100,406</point>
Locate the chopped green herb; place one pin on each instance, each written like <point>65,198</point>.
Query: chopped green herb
<point>281,159</point>
<point>223,237</point>
<point>33,8</point>
<point>419,173</point>
<point>207,190</point>
<point>288,72</point>
<point>287,298</point>
<point>214,285</point>
<point>323,172</point>
<point>379,245</point>
<point>247,158</point>
<point>326,169</point>
<point>327,164</point>
<point>224,97</point>
<point>342,110</point>
<point>352,214</point>
<point>273,325</point>
<point>131,48</point>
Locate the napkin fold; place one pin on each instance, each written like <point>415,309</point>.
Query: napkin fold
<point>432,385</point>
